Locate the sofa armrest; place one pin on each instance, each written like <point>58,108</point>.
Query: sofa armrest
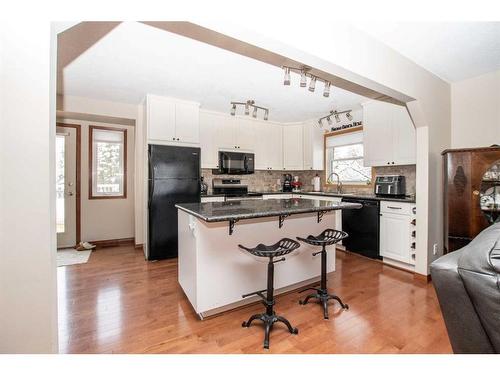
<point>465,331</point>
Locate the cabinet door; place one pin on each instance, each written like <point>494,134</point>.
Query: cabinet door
<point>377,134</point>
<point>226,132</point>
<point>395,237</point>
<point>307,140</point>
<point>404,137</point>
<point>208,140</point>
<point>187,123</point>
<point>293,152</point>
<point>246,134</point>
<point>274,146</point>
<point>160,119</point>
<point>313,146</point>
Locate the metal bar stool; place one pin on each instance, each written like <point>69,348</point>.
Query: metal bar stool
<point>283,247</point>
<point>326,238</point>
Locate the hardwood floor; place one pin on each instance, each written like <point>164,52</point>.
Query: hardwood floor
<point>118,303</point>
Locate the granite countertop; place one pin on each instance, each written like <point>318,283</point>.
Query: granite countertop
<point>407,199</point>
<point>248,209</point>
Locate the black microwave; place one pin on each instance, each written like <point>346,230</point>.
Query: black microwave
<point>236,163</point>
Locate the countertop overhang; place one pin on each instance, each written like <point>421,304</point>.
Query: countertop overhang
<point>250,209</point>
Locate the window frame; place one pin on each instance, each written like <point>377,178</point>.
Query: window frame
<point>91,162</point>
<point>325,159</point>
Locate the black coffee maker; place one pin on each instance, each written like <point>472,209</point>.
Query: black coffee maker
<point>287,182</point>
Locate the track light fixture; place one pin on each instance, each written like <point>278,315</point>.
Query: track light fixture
<point>326,91</point>
<point>335,114</point>
<point>286,80</point>
<point>303,78</point>
<point>304,74</point>
<point>247,105</point>
<point>312,84</point>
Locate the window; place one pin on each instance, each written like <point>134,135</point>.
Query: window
<point>107,162</point>
<point>344,154</point>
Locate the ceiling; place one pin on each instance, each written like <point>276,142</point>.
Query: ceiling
<point>453,51</point>
<point>134,59</point>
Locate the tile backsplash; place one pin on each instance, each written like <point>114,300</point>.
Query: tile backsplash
<point>262,181</point>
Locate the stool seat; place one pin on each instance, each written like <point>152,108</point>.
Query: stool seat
<point>269,317</point>
<point>280,248</point>
<point>327,237</point>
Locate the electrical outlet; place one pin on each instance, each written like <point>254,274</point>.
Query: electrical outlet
<point>435,249</point>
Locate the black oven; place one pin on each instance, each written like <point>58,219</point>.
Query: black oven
<point>236,163</point>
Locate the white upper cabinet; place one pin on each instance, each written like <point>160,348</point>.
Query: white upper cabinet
<point>313,146</point>
<point>209,123</point>
<point>405,138</point>
<point>268,146</point>
<point>160,119</point>
<point>246,134</point>
<point>388,135</point>
<point>187,122</point>
<point>171,121</point>
<point>293,153</point>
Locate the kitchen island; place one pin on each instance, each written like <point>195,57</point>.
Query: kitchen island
<point>214,273</point>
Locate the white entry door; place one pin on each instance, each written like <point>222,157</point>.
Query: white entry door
<point>66,186</point>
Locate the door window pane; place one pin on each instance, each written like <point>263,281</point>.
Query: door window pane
<point>60,178</point>
<point>108,162</point>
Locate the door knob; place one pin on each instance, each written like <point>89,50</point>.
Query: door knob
<point>70,193</point>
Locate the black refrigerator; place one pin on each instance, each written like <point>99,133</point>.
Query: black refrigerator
<point>174,177</point>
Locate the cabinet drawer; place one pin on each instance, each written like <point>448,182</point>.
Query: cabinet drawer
<point>396,207</point>
<point>212,199</point>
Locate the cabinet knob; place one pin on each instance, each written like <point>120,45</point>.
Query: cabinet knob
<point>475,192</point>
<point>392,162</point>
<point>173,139</point>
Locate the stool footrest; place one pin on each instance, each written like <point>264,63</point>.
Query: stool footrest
<point>259,293</point>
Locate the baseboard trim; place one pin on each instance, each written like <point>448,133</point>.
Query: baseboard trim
<point>139,246</point>
<point>114,242</point>
<point>420,277</point>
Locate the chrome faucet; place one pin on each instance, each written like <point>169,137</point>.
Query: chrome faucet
<point>339,184</point>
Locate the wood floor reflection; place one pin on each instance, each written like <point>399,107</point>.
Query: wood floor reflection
<point>118,303</point>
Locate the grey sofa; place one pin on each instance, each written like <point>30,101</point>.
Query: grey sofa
<point>467,282</point>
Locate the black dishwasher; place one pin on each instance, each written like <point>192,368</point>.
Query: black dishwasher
<point>363,227</point>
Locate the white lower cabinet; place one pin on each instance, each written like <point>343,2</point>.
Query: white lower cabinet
<point>397,231</point>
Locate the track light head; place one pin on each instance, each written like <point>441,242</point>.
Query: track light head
<point>329,120</point>
<point>320,123</point>
<point>326,91</point>
<point>303,78</point>
<point>247,109</point>
<point>266,115</point>
<point>233,110</point>
<point>312,84</point>
<point>286,80</point>
<point>337,117</point>
<point>254,114</point>
<point>349,116</point>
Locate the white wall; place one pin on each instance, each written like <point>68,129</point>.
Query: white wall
<point>28,289</point>
<point>475,111</point>
<point>106,219</point>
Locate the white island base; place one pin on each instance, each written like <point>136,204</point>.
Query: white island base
<point>214,272</point>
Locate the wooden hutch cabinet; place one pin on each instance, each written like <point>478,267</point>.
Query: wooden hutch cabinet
<point>471,193</point>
